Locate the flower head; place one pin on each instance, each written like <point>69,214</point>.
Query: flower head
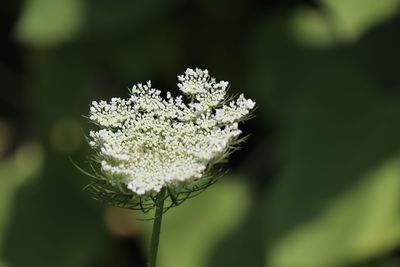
<point>147,142</point>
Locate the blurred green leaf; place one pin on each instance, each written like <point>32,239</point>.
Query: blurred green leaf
<point>352,18</point>
<point>191,231</point>
<point>14,172</point>
<point>334,200</point>
<point>9,181</point>
<point>312,27</point>
<point>50,22</point>
<point>361,223</point>
<point>53,222</point>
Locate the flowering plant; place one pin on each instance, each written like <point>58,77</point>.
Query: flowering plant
<point>149,148</point>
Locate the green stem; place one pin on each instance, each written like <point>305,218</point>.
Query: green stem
<point>155,236</point>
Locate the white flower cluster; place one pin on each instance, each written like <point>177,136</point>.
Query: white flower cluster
<point>147,142</point>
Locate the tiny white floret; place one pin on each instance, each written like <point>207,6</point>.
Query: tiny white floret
<point>148,142</point>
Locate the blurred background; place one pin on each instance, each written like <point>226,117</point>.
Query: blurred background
<point>316,185</point>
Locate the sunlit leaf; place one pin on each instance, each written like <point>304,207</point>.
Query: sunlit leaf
<point>50,22</point>
<point>191,231</point>
<point>352,18</point>
<point>361,223</point>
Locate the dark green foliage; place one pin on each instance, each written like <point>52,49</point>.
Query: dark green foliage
<point>322,161</point>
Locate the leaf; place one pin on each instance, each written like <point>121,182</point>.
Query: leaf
<point>333,200</point>
<point>359,224</point>
<point>46,23</point>
<point>190,231</point>
<point>352,18</point>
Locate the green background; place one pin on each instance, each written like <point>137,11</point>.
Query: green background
<point>316,185</point>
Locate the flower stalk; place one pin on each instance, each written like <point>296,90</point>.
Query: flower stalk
<point>155,236</point>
